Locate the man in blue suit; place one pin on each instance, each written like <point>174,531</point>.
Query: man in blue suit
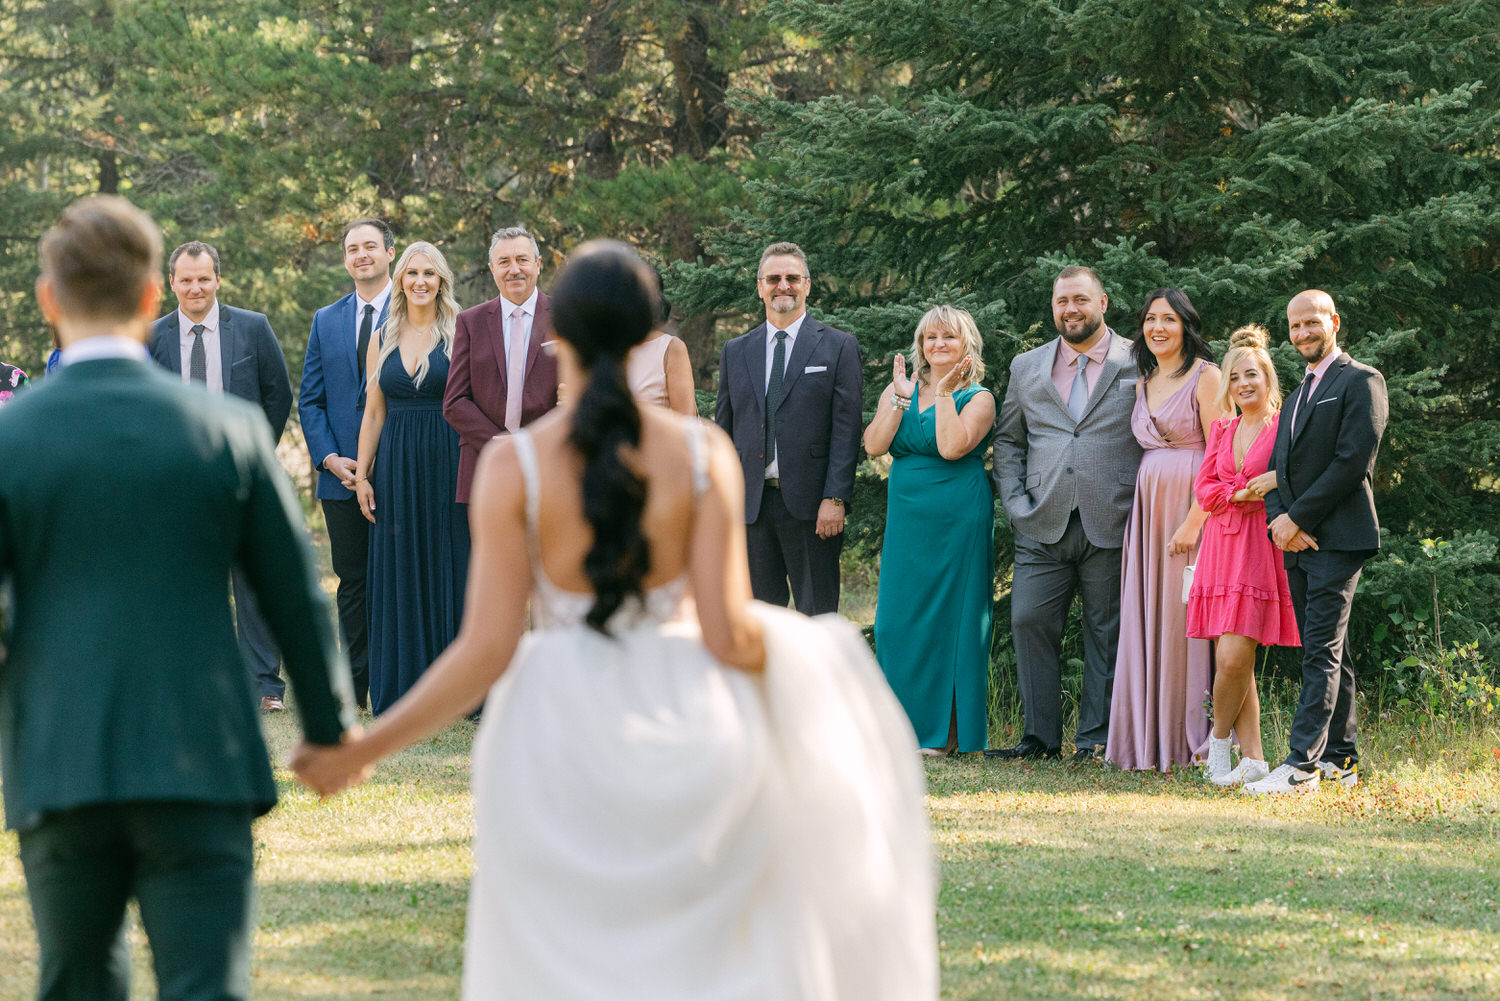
<point>234,351</point>
<point>332,404</point>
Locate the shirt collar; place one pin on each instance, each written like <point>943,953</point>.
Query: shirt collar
<point>791,329</point>
<point>378,302</point>
<point>210,322</point>
<point>104,346</point>
<point>1098,353</point>
<point>1321,368</point>
<point>529,305</point>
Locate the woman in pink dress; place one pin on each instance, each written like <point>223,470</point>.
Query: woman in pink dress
<point>1240,597</point>
<point>1157,717</point>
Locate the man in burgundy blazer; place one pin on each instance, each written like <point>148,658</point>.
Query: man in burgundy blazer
<point>494,343</point>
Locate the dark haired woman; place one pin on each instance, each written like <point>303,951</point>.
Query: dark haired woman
<point>672,801</point>
<point>1163,678</point>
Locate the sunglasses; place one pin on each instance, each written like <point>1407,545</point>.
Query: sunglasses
<point>774,280</point>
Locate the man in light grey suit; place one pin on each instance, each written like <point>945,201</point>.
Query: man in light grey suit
<point>1065,464</point>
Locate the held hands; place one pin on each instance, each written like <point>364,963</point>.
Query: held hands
<point>1256,489</point>
<point>903,385</point>
<point>365,494</point>
<point>1289,537</point>
<point>342,468</point>
<point>327,770</point>
<point>830,517</point>
<point>1184,539</point>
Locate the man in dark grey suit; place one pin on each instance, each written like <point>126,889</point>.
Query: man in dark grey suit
<point>231,351</point>
<point>790,398</point>
<point>1065,465</point>
<point>1322,516</point>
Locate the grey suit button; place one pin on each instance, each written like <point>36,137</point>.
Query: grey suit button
<point>1075,434</point>
<point>1069,469</point>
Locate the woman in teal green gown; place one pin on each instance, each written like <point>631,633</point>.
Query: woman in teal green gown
<point>937,568</point>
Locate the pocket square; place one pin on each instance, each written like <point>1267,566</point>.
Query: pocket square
<point>814,368</point>
<point>1331,399</point>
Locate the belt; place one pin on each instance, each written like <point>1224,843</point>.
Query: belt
<point>774,482</point>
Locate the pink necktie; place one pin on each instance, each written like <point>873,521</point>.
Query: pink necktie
<point>515,369</point>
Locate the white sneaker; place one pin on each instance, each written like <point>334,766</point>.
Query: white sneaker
<point>1285,779</point>
<point>1218,759</point>
<point>1248,770</point>
<point>1343,776</point>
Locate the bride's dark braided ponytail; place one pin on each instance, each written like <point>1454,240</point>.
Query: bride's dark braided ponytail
<point>604,303</point>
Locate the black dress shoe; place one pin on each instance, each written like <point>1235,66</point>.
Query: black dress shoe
<point>1029,749</point>
<point>1087,755</point>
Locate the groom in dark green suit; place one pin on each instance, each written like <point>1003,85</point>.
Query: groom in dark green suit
<point>120,589</point>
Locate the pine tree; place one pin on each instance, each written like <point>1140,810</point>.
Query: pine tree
<point>1240,149</point>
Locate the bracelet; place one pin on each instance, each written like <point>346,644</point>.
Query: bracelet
<point>361,479</point>
<point>899,402</point>
<point>944,394</point>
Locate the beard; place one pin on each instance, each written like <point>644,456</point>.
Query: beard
<point>1315,351</point>
<point>1088,328</point>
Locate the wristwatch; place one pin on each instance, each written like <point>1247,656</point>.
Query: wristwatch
<point>838,501</point>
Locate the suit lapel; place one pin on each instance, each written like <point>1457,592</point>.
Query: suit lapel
<point>495,340</point>
<point>1048,359</point>
<point>229,342</point>
<point>755,362</point>
<point>539,323</point>
<point>1320,392</point>
<point>172,341</point>
<point>1114,361</point>
<point>807,340</point>
<point>348,319</point>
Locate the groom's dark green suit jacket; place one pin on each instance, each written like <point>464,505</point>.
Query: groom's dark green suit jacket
<point>125,496</point>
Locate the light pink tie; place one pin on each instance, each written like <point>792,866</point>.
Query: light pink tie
<point>515,369</point>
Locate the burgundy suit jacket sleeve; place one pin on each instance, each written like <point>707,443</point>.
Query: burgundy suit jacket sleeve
<point>459,408</point>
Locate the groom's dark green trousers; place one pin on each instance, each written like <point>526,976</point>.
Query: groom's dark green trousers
<point>189,866</point>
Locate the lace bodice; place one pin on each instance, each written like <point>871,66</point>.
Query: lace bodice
<point>553,607</point>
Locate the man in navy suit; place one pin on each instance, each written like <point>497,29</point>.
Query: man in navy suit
<point>234,351</point>
<point>790,397</point>
<point>1322,516</point>
<point>331,403</point>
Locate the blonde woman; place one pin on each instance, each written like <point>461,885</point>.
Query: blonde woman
<point>1240,597</point>
<point>408,465</point>
<point>932,615</point>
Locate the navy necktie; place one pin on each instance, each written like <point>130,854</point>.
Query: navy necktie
<point>773,393</point>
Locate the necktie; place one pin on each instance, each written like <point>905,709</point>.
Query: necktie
<point>362,348</point>
<point>198,360</point>
<point>773,393</point>
<point>515,369</point>
<point>1078,396</point>
<point>1302,395</point>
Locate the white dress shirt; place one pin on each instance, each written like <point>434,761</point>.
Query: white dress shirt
<point>212,353</point>
<point>773,471</point>
<point>103,346</point>
<point>381,298</point>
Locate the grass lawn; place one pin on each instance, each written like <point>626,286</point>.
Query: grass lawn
<point>1057,882</point>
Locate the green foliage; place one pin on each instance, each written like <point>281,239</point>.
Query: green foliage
<point>263,126</point>
<point>1240,149</point>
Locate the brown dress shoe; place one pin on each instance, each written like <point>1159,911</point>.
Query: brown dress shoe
<point>271,704</point>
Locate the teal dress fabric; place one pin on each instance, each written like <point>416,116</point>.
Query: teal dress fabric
<point>937,568</point>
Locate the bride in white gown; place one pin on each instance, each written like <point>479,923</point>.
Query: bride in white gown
<point>676,798</point>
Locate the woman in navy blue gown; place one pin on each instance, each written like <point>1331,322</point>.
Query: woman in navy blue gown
<point>408,467</point>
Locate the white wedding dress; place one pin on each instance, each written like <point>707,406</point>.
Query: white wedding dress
<point>653,825</point>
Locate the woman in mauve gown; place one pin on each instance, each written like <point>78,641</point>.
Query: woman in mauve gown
<point>1158,716</point>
